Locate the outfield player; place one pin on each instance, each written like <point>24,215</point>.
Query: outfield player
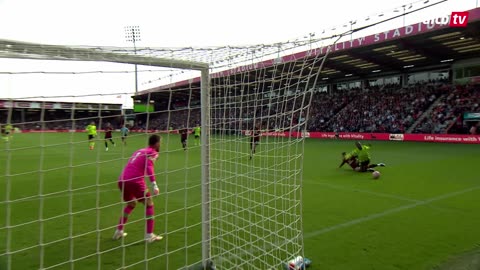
<point>92,133</point>
<point>8,131</point>
<point>124,132</point>
<point>364,158</point>
<point>254,140</point>
<point>132,185</point>
<point>350,158</point>
<point>108,136</point>
<point>3,133</point>
<point>196,134</point>
<point>183,138</point>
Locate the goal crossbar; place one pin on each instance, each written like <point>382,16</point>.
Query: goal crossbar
<point>26,50</point>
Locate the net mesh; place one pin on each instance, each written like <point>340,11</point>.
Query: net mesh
<point>255,184</point>
<point>60,200</point>
<point>61,203</point>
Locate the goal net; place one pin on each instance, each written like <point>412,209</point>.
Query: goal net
<point>230,197</point>
<point>258,119</point>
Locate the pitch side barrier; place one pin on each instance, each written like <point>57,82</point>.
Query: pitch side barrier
<point>438,138</point>
<point>98,130</point>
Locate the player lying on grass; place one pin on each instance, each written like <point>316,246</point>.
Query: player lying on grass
<point>364,158</point>
<point>350,158</point>
<point>359,158</point>
<point>133,187</point>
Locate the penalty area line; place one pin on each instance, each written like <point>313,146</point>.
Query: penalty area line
<point>388,212</point>
<point>378,194</point>
<point>350,223</point>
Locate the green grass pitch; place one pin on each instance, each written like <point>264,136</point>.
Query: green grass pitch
<point>422,211</point>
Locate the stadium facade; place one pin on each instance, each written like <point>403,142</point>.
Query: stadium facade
<point>402,51</point>
<point>423,57</point>
<point>31,115</point>
<point>423,53</point>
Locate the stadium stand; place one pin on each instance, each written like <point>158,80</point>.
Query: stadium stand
<point>390,109</point>
<point>446,115</point>
<point>405,89</point>
<point>384,84</point>
<point>160,120</point>
<point>326,105</point>
<point>26,115</point>
<point>437,105</point>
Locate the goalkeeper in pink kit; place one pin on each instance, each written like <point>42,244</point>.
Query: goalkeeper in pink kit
<point>133,187</point>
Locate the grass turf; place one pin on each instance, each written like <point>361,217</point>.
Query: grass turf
<point>422,211</point>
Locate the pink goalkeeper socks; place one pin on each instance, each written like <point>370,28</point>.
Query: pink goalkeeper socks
<point>149,216</point>
<point>126,212</point>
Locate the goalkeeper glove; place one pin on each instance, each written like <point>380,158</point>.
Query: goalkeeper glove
<point>155,188</point>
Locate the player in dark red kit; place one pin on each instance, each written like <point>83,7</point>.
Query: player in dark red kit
<point>108,136</point>
<point>183,138</point>
<point>254,140</point>
<point>350,158</point>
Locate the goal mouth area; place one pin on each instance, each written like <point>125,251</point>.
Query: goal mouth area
<point>183,171</point>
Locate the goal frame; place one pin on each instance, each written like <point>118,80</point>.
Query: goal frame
<point>35,51</point>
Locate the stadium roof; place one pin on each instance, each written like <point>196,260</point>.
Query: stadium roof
<point>418,45</point>
<point>38,104</point>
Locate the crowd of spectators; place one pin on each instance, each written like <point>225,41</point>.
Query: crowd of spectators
<point>58,119</point>
<point>326,105</point>
<point>165,120</point>
<point>390,109</point>
<point>272,110</point>
<point>448,111</point>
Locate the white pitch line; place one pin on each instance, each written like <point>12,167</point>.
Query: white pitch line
<point>378,194</point>
<point>67,194</point>
<point>387,212</point>
<point>46,197</point>
<point>359,220</point>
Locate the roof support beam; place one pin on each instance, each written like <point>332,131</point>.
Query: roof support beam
<point>379,59</point>
<point>430,54</point>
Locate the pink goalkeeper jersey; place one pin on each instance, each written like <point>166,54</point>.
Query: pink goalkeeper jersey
<point>140,165</point>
